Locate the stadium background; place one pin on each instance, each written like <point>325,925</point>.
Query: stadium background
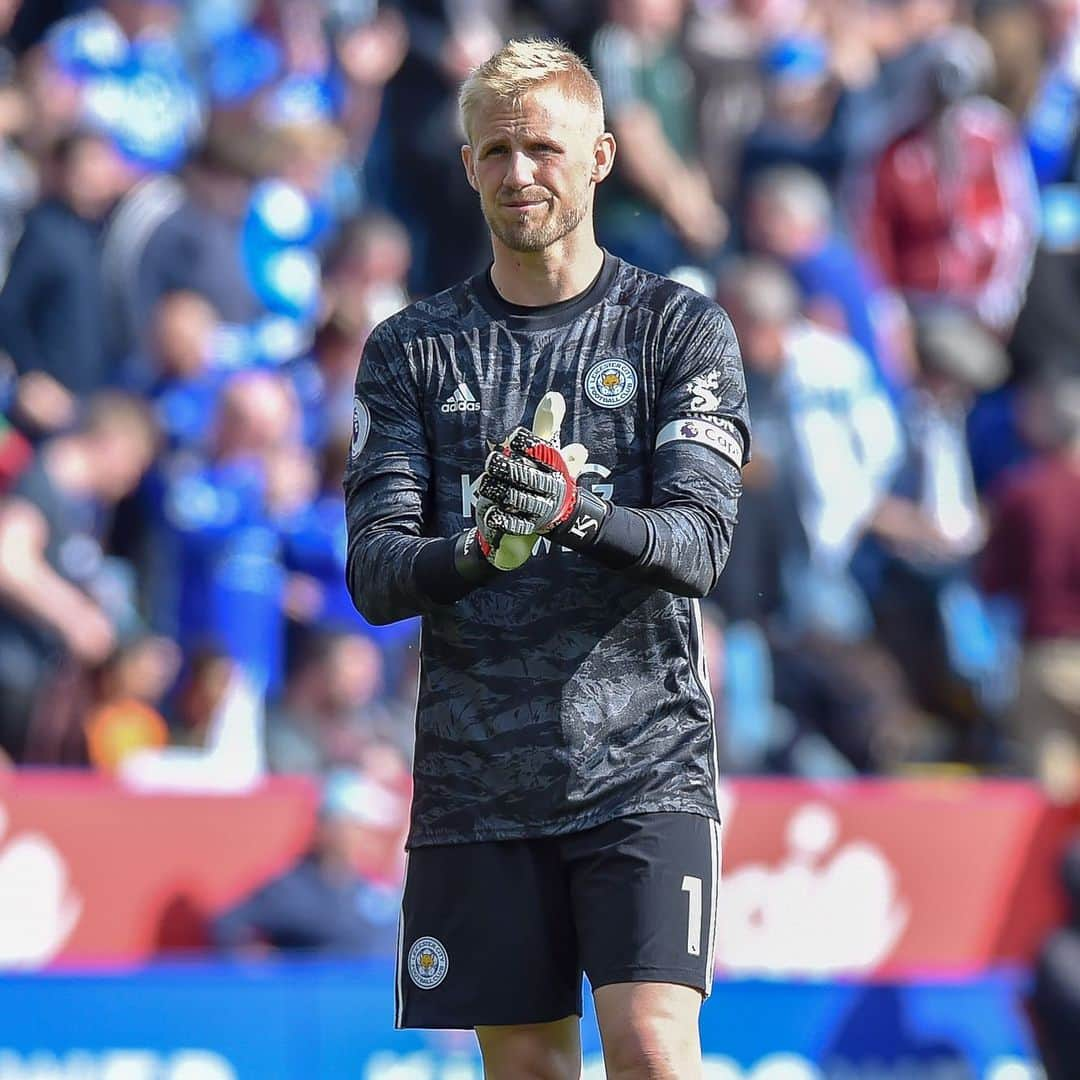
<point>204,208</point>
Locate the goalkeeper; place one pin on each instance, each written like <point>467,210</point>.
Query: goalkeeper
<point>545,465</point>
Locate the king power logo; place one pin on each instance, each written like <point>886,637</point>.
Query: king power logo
<point>469,488</point>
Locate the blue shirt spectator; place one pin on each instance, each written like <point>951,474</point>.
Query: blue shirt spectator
<point>790,216</point>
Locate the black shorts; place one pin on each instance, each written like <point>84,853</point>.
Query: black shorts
<point>500,932</point>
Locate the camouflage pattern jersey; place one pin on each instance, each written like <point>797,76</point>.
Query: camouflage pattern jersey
<point>564,694</point>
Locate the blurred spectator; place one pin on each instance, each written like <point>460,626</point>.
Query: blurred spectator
<point>1048,327</point>
<point>325,379</point>
<point>657,208</point>
<point>32,405</point>
<point>803,121</point>
<point>1056,995</point>
<point>722,46</point>
<point>51,560</point>
<point>790,217</point>
<point>337,898</point>
<point>371,41</point>
<point>1033,555</point>
<point>429,190</point>
<point>18,181</point>
<point>218,746</point>
<point>128,689</point>
<point>953,212</point>
<point>182,335</point>
<point>917,565</point>
<point>827,444</point>
<point>1016,35</point>
<point>195,244</point>
<point>367,271</point>
<point>176,369</point>
<point>892,42</point>
<point>223,519</point>
<point>52,316</point>
<point>330,712</point>
<point>1052,119</point>
<point>828,427</point>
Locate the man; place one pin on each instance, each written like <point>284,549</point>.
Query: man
<point>565,809</point>
<point>1056,995</point>
<point>52,315</point>
<point>658,210</point>
<point>53,574</point>
<point>953,208</point>
<point>790,217</point>
<point>823,417</point>
<point>335,898</point>
<point>223,520</point>
<point>827,444</point>
<point>1031,556</point>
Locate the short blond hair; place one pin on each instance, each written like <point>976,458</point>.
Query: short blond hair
<point>522,65</point>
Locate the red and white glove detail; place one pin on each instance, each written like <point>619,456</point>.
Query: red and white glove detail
<point>529,483</point>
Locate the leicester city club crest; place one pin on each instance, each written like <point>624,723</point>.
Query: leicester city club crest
<point>428,962</point>
<point>611,383</point>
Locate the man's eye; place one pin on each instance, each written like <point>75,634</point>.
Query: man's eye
<point>492,151</point>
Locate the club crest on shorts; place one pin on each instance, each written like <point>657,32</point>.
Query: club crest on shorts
<point>361,427</point>
<point>611,383</point>
<point>428,962</point>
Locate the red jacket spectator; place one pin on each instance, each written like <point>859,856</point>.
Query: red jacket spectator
<point>953,211</point>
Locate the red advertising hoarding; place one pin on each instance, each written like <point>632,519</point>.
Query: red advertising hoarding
<point>886,878</point>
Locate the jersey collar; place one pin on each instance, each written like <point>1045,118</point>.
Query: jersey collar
<point>546,316</point>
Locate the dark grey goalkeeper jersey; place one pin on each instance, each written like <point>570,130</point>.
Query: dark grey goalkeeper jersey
<point>564,694</point>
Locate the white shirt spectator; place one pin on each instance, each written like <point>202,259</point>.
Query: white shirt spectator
<point>847,439</point>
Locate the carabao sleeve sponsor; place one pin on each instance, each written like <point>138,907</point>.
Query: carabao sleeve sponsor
<point>721,435</point>
<point>702,398</point>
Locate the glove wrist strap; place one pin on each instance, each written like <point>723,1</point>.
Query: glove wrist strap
<point>469,560</point>
<point>582,528</point>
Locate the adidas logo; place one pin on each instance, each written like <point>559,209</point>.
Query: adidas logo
<point>461,400</point>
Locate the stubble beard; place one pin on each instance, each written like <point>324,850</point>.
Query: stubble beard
<point>526,237</point>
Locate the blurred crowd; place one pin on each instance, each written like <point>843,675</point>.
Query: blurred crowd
<point>205,206</point>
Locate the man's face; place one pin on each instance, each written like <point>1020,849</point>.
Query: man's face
<point>534,165</point>
<point>120,459</point>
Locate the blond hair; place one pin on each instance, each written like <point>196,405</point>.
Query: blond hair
<point>522,65</point>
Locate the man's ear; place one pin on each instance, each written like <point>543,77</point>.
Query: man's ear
<point>603,157</point>
<point>467,161</point>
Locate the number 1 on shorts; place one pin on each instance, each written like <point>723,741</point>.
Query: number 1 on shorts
<point>692,886</point>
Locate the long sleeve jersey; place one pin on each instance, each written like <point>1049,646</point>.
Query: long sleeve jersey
<point>566,693</point>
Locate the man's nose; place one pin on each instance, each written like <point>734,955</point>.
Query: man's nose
<point>519,170</point>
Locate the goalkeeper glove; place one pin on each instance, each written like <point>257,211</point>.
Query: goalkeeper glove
<point>529,487</point>
<point>503,541</point>
<point>504,549</point>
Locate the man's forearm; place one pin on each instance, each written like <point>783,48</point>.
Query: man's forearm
<point>680,545</point>
<point>394,576</point>
<point>650,163</point>
<point>680,549</point>
<point>41,594</point>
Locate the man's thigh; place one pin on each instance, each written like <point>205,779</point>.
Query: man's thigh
<point>486,937</point>
<point>644,894</point>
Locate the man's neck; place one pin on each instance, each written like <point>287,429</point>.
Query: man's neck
<point>539,278</point>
